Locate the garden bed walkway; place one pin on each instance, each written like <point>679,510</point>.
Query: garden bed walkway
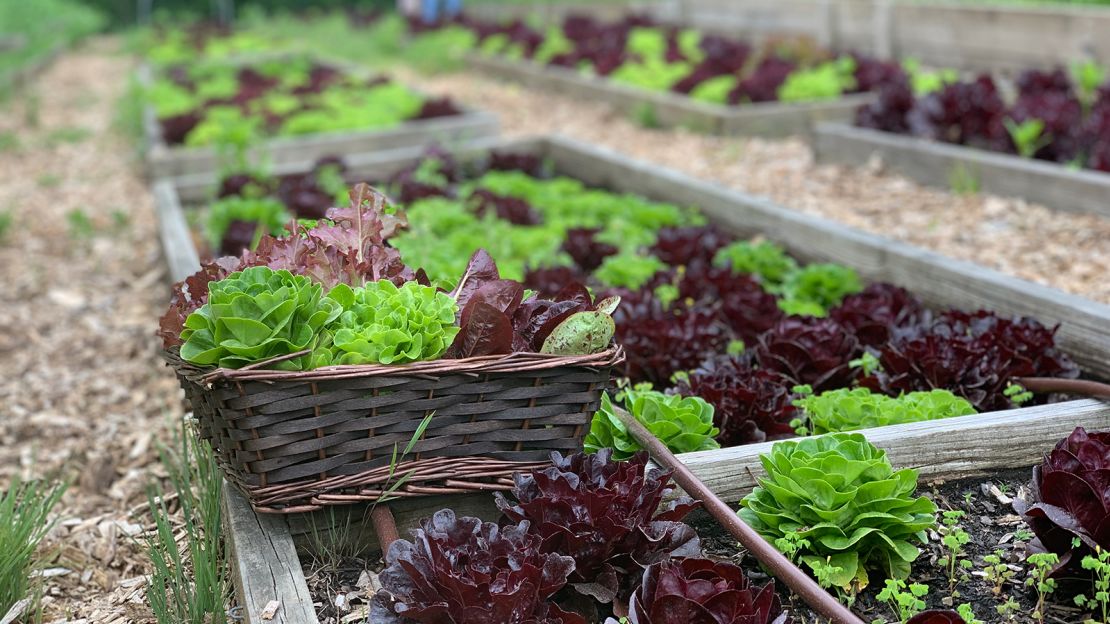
<point>83,392</point>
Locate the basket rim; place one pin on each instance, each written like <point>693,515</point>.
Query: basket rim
<point>502,363</point>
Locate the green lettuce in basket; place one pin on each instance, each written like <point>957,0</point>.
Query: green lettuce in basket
<point>254,315</point>
<point>684,424</point>
<point>382,323</point>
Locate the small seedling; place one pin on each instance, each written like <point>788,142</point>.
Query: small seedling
<point>646,116</point>
<point>1039,580</point>
<point>1009,608</point>
<point>1017,394</point>
<point>997,572</point>
<point>1099,565</point>
<point>953,540</point>
<point>905,600</point>
<point>67,135</point>
<point>1028,136</point>
<point>967,614</point>
<point>963,181</point>
<point>80,225</point>
<point>790,544</point>
<point>968,497</point>
<point>1023,535</point>
<point>49,180</point>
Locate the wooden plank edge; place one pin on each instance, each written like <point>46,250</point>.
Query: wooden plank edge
<point>177,242</point>
<point>1052,184</point>
<point>947,448</point>
<point>264,564</point>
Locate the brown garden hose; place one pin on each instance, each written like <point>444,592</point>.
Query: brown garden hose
<point>782,568</point>
<point>1054,385</point>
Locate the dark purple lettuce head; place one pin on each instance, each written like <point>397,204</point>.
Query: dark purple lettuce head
<point>1036,81</point>
<point>889,111</point>
<point>808,350</point>
<point>968,113</point>
<point>661,340</point>
<point>749,404</point>
<point>682,245</point>
<point>1071,499</point>
<point>516,161</point>
<point>438,107</point>
<point>937,616</point>
<point>605,515</point>
<point>700,591</point>
<point>464,570</point>
<point>549,281</point>
<point>872,74</point>
<point>743,305</point>
<point>762,85</point>
<point>1062,115</point>
<point>878,310</point>
<point>177,127</point>
<point>973,355</point>
<point>582,246</point>
<point>512,209</point>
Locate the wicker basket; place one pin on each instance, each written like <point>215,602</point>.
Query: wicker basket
<point>297,441</point>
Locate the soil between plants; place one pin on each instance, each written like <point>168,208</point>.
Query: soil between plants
<point>989,520</point>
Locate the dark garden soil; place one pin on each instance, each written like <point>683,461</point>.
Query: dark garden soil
<point>342,591</point>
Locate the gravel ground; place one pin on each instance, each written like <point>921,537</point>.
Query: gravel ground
<point>83,392</point>
<point>1066,251</point>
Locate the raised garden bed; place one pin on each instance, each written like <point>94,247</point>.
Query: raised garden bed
<point>947,166</point>
<point>450,126</point>
<point>987,441</point>
<point>770,119</point>
<point>1049,143</point>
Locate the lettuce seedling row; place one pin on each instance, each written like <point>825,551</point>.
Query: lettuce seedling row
<point>945,165</point>
<point>264,548</point>
<point>164,160</point>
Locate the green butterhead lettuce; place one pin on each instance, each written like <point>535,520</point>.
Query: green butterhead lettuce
<point>684,424</point>
<point>382,323</point>
<point>255,315</point>
<point>848,409</point>
<point>836,500</point>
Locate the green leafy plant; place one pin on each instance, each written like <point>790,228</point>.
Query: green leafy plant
<point>962,180</point>
<point>1008,609</point>
<point>24,522</point>
<point>1028,136</point>
<point>763,259</point>
<point>190,583</point>
<point>382,323</point>
<point>841,494</point>
<point>925,82</point>
<point>255,315</point>
<point>80,225</point>
<point>684,424</point>
<point>997,572</point>
<point>6,220</point>
<point>953,539</point>
<point>269,213</point>
<point>1099,600</point>
<point>715,90</point>
<point>825,81</point>
<point>849,409</point>
<point>822,284</point>
<point>1040,579</point>
<point>905,600</point>
<point>1088,76</point>
<point>628,270</point>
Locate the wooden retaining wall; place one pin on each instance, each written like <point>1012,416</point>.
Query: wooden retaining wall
<point>938,164</point>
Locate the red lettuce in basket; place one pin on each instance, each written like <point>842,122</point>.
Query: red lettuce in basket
<point>973,355</point>
<point>606,515</point>
<point>749,404</point>
<point>701,591</point>
<point>1071,499</point>
<point>660,340</point>
<point>466,571</point>
<point>807,350</point>
<point>495,319</point>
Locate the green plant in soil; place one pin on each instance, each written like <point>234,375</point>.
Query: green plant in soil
<point>841,494</point>
<point>1039,579</point>
<point>189,583</point>
<point>684,424</point>
<point>904,600</point>
<point>967,614</point>
<point>997,572</point>
<point>24,521</point>
<point>1099,600</point>
<point>953,539</point>
<point>1008,609</point>
<point>6,220</point>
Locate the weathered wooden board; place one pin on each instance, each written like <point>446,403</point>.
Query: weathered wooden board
<point>264,564</point>
<point>769,119</point>
<point>936,164</point>
<point>948,448</point>
<point>163,160</point>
